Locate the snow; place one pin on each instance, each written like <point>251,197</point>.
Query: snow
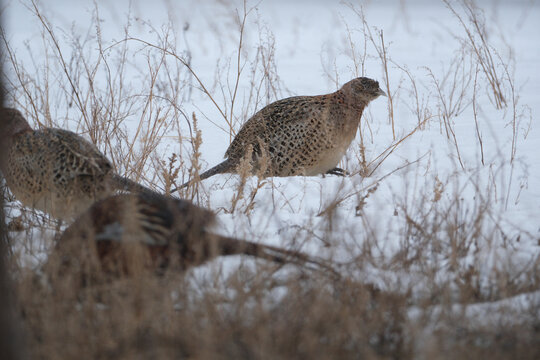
<point>313,56</point>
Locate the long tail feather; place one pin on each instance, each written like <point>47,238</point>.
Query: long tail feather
<point>223,167</point>
<point>232,246</point>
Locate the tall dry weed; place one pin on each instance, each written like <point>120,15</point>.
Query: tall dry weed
<point>412,301</point>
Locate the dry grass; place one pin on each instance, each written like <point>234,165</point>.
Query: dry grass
<point>417,301</point>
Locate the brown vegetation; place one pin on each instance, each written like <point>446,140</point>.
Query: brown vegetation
<point>383,307</point>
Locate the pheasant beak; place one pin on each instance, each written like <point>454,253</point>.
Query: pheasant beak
<point>380,92</point>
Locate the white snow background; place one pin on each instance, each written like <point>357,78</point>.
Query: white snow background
<point>313,55</point>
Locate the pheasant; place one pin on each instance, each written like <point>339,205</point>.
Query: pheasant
<point>55,170</point>
<point>128,232</point>
<point>301,135</point>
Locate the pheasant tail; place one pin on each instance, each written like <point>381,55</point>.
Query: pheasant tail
<point>223,167</point>
<point>232,246</point>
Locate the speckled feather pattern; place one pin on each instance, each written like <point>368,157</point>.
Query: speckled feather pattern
<point>56,171</point>
<point>303,135</point>
<point>300,135</point>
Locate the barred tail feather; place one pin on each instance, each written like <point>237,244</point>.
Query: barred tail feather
<point>223,167</point>
<point>232,246</point>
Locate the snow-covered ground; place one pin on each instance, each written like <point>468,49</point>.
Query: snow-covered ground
<point>316,46</point>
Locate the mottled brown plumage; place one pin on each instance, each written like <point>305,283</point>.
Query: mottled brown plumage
<point>302,135</point>
<point>129,232</point>
<point>55,170</point>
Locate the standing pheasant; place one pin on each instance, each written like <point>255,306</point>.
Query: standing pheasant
<point>301,135</point>
<point>129,232</point>
<point>55,170</point>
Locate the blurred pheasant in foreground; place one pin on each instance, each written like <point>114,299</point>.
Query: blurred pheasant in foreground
<point>301,135</point>
<point>55,170</point>
<point>129,232</point>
